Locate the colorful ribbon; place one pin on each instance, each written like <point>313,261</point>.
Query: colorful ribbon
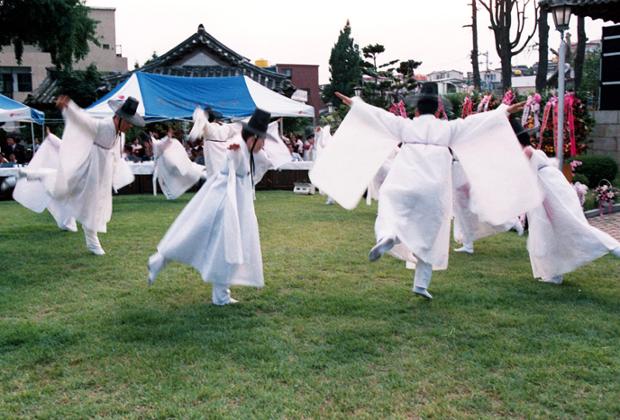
<point>399,109</point>
<point>569,105</point>
<point>468,107</point>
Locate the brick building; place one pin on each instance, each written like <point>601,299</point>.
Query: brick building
<point>305,77</point>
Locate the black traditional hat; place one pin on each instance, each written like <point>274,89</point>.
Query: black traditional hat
<point>127,110</point>
<point>258,124</point>
<point>213,114</point>
<point>523,134</point>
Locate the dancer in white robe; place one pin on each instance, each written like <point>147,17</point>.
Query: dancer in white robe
<point>467,226</point>
<point>90,165</point>
<point>33,195</point>
<point>217,232</point>
<point>560,239</point>
<point>174,171</point>
<point>415,202</point>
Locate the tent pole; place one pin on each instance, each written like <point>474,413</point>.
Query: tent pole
<point>32,135</point>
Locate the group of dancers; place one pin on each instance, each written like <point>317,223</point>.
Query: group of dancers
<point>481,169</point>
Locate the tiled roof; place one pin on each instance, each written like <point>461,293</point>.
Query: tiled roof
<point>595,9</point>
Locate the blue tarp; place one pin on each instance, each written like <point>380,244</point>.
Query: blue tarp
<point>174,97</point>
<point>11,110</point>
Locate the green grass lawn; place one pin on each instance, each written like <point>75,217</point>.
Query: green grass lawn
<point>330,335</point>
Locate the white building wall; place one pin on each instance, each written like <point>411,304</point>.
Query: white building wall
<point>36,62</point>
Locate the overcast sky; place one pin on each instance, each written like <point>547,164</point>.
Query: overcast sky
<point>286,31</point>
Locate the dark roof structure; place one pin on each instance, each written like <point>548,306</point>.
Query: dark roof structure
<point>223,61</point>
<point>595,9</point>
<point>200,55</point>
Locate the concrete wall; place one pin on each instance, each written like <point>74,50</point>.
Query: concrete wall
<point>606,134</point>
<point>37,62</point>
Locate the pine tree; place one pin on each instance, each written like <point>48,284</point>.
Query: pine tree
<point>344,66</point>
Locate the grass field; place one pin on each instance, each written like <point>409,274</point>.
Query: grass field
<point>330,335</point>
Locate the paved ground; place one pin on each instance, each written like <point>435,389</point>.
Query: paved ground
<point>609,223</point>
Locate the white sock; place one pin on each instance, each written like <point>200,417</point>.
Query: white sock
<point>92,242</point>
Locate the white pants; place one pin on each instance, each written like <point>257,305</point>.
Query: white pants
<point>423,274</point>
<point>220,294</point>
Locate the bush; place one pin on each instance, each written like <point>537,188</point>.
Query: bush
<point>596,168</point>
<point>581,178</point>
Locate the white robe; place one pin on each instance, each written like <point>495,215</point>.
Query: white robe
<point>560,238</point>
<point>89,167</point>
<point>415,201</point>
<point>33,195</point>
<point>375,185</point>
<point>217,232</point>
<point>217,137</point>
<point>174,171</point>
<point>467,226</point>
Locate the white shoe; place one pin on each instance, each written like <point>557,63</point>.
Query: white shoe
<point>553,280</point>
<point>329,201</point>
<point>519,228</point>
<point>156,263</point>
<point>466,249</point>
<point>616,252</point>
<point>96,250</point>
<point>92,242</point>
<point>381,247</point>
<point>420,291</point>
<point>230,301</point>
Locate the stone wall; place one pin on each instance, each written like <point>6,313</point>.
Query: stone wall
<point>606,134</point>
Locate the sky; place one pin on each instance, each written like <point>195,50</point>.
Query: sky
<point>287,31</point>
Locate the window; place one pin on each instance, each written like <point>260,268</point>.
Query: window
<point>286,72</point>
<point>105,46</point>
<point>24,82</point>
<point>6,82</point>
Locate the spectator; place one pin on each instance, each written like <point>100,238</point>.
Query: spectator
<point>13,147</point>
<point>128,154</point>
<point>299,146</point>
<point>137,150</point>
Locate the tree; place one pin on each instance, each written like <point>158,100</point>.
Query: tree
<point>60,27</point>
<point>80,85</point>
<point>383,76</point>
<point>590,81</point>
<point>581,51</point>
<point>407,69</point>
<point>543,51</point>
<point>501,15</point>
<point>372,51</point>
<point>344,65</point>
<point>474,43</point>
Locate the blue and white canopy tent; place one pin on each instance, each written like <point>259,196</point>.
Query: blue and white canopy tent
<point>175,98</point>
<point>13,111</point>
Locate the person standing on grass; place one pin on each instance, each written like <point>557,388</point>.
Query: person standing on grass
<point>90,165</point>
<point>174,171</point>
<point>415,200</point>
<point>560,239</point>
<point>217,232</point>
